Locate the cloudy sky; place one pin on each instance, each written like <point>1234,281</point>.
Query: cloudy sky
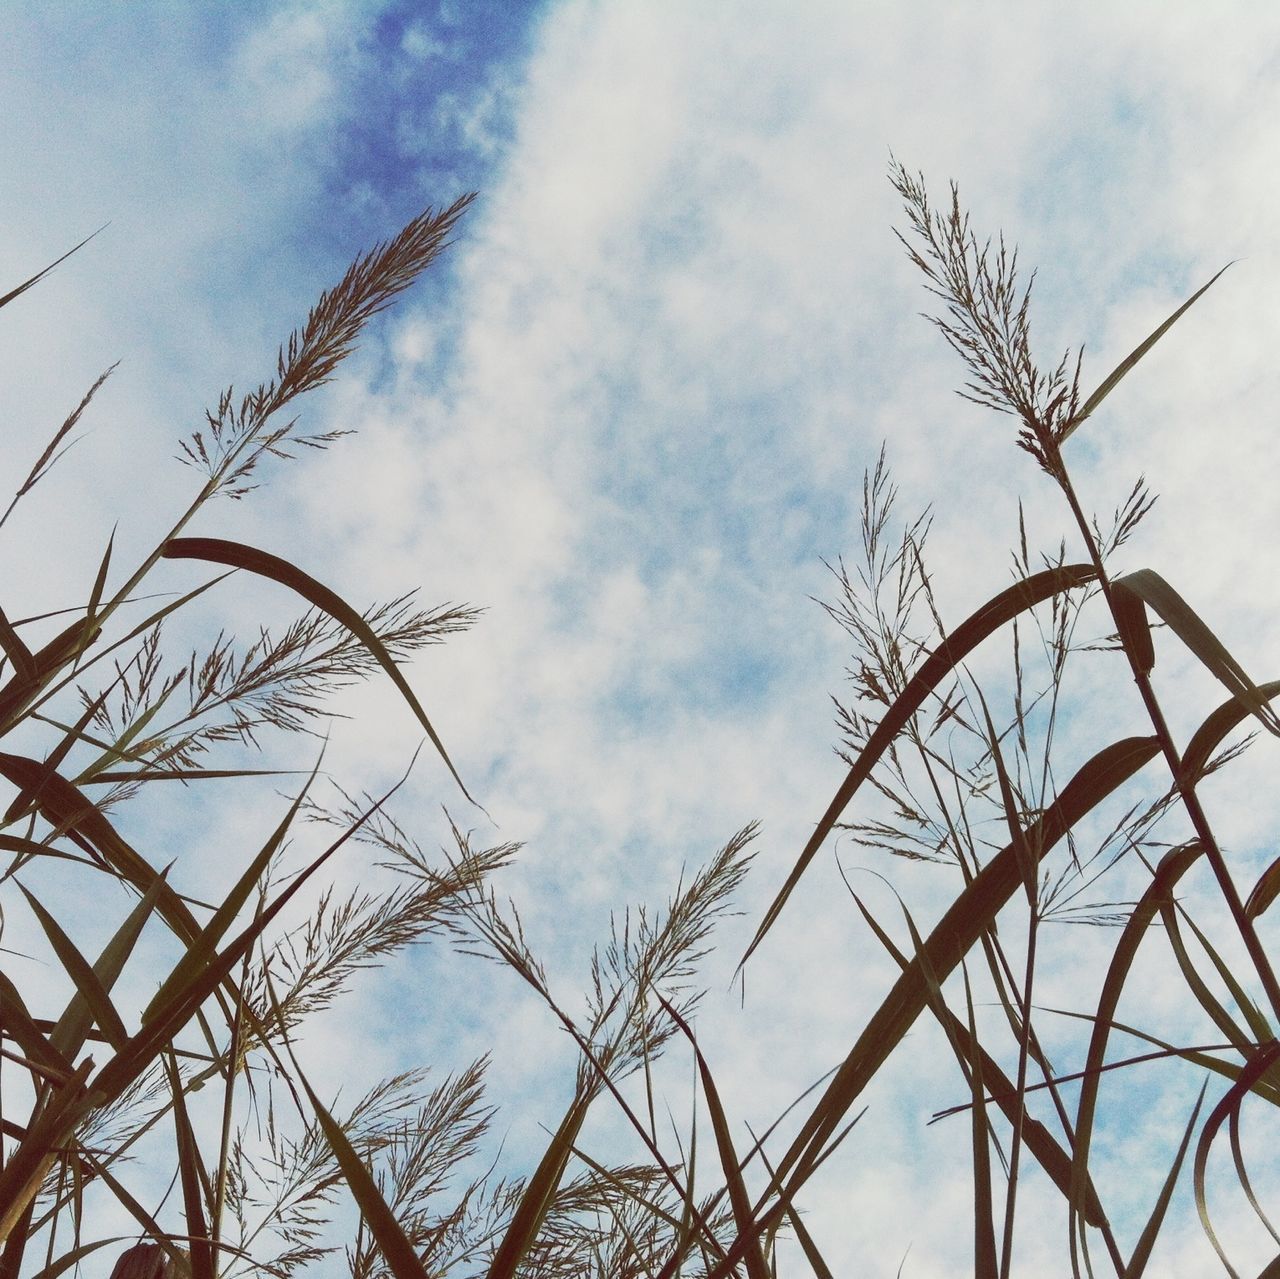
<point>629,416</point>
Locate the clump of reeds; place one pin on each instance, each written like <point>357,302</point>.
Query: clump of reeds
<point>968,776</point>
<point>88,1086</point>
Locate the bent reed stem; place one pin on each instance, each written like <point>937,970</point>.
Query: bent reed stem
<point>1184,784</point>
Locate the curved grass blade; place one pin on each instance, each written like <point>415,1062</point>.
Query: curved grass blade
<point>1259,1027</point>
<point>1154,591</point>
<point>1242,1176</point>
<point>215,550</point>
<point>1213,1007</point>
<point>1171,869</point>
<point>1133,626</point>
<point>1230,1101</point>
<point>77,1255</point>
<point>959,929</point>
<point>1055,1161</point>
<point>1208,737</point>
<point>1112,380</point>
<point>1019,598</point>
<point>1265,891</point>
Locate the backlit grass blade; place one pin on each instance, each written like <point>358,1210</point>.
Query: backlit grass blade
<point>29,796</point>
<point>1046,1150</point>
<point>19,655</point>
<point>739,1200</point>
<point>1264,891</point>
<point>39,275</point>
<point>192,1176</point>
<point>202,948</point>
<point>114,776</point>
<point>1112,380</point>
<point>21,689</point>
<point>73,1258</point>
<point>20,1026</point>
<point>163,1022</point>
<point>1209,736</point>
<point>1196,984</point>
<point>1151,1231</point>
<point>1003,608</point>
<point>1154,591</point>
<point>64,807</point>
<point>960,927</point>
<point>81,973</point>
<point>399,1254</point>
<point>1259,1027</point>
<point>1171,869</point>
<point>1133,626</point>
<point>1242,1175</point>
<point>817,1262</point>
<point>215,550</point>
<point>73,1026</point>
<point>26,1167</point>
<point>985,1262</point>
<point>1231,1100</point>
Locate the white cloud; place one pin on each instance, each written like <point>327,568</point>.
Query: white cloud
<point>678,331</point>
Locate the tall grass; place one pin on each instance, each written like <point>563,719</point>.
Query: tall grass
<point>996,780</point>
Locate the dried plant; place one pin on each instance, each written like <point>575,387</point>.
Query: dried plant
<point>957,770</point>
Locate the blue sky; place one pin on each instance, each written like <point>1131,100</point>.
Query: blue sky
<point>629,415</point>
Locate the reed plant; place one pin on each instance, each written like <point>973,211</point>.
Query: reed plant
<point>995,779</point>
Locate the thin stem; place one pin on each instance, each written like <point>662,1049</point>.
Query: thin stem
<point>1184,785</point>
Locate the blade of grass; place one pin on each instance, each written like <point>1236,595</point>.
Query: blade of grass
<point>1231,1100</point>
<point>958,930</point>
<point>1151,1231</point>
<point>39,275</point>
<point>739,1200</point>
<point>73,1026</point>
<point>1002,608</point>
<point>1112,380</point>
<point>81,973</point>
<point>1171,869</point>
<point>1242,1175</point>
<point>985,1262</point>
<point>219,551</point>
<point>192,1175</point>
<point>396,1249</point>
<point>1151,589</point>
<point>1055,1161</point>
<point>22,658</point>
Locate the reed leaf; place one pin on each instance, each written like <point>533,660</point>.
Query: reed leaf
<point>1151,589</point>
<point>1112,380</point>
<point>995,613</point>
<point>1141,1254</point>
<point>236,555</point>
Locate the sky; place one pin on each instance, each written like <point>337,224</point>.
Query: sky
<point>628,414</point>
